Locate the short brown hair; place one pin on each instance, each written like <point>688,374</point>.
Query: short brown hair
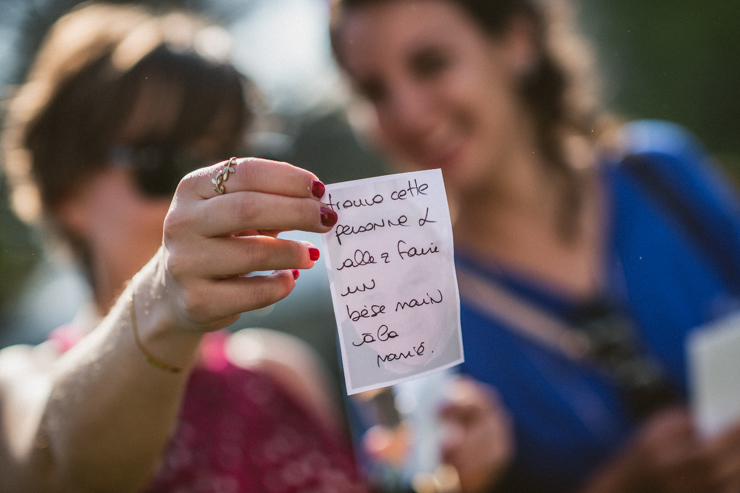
<point>112,76</point>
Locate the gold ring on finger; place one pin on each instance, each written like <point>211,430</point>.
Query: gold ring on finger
<point>223,175</point>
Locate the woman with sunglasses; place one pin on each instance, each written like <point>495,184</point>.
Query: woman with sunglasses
<point>119,105</point>
<point>586,251</point>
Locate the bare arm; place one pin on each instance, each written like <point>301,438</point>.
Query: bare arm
<point>102,415</point>
<point>24,390</point>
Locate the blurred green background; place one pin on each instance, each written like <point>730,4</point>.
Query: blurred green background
<point>677,60</point>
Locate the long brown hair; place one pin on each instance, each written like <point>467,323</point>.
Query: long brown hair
<point>562,90</point>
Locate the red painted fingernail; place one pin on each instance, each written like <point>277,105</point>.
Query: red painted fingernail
<point>296,273</point>
<point>314,253</point>
<point>317,189</point>
<point>328,217</point>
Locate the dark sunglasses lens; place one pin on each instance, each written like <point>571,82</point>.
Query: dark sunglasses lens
<point>158,171</point>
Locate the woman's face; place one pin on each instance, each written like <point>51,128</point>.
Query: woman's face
<point>121,226</point>
<point>444,92</point>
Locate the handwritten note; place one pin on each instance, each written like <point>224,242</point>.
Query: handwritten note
<point>392,278</point>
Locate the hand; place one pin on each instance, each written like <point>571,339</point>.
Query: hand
<point>677,460</point>
<point>477,437</point>
<point>667,456</point>
<point>212,241</point>
<point>103,426</point>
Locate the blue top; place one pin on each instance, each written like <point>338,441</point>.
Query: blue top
<point>568,416</point>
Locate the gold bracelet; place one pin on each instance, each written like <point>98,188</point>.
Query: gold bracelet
<point>150,359</point>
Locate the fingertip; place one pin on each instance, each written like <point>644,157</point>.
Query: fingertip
<point>317,188</point>
<point>328,217</point>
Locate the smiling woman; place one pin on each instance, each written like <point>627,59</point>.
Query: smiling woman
<point>442,92</point>
<point>555,207</point>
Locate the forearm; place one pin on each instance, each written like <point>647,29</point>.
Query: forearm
<point>107,414</point>
<point>110,412</point>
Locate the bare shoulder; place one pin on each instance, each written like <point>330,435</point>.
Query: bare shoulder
<point>23,359</point>
<point>291,362</point>
<point>25,379</point>
<point>25,384</point>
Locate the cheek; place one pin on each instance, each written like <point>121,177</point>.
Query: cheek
<point>146,222</point>
<point>388,137</point>
<point>131,232</point>
<point>383,124</point>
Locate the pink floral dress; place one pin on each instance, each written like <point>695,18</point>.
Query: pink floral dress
<point>239,432</point>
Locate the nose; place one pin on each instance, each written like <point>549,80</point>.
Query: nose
<point>408,111</point>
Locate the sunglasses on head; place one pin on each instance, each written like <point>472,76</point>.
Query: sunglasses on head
<point>157,170</point>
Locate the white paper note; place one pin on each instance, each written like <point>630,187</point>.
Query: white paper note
<point>714,375</point>
<point>392,276</point>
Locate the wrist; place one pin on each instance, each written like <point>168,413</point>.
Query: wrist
<point>154,325</point>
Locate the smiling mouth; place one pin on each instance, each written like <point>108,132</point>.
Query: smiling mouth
<point>441,146</point>
<point>439,153</point>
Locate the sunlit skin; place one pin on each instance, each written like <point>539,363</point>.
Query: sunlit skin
<point>446,95</point>
<point>89,415</point>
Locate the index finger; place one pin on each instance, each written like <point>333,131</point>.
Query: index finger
<point>253,175</point>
